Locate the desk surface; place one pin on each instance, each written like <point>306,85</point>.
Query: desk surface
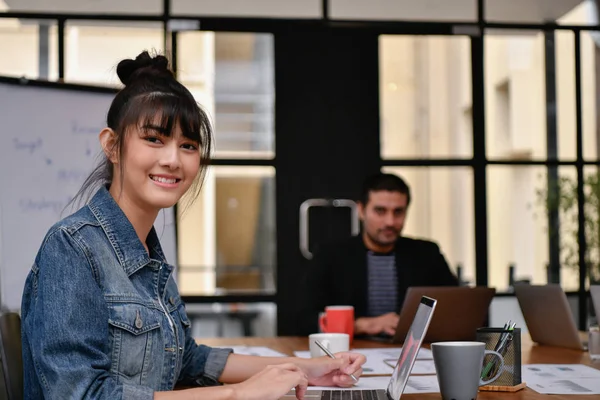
<point>531,353</point>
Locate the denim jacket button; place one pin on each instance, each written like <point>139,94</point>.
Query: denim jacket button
<point>172,300</point>
<point>138,321</point>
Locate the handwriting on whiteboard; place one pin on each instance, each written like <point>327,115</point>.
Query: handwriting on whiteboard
<point>43,204</point>
<point>30,146</point>
<point>78,128</point>
<point>72,175</point>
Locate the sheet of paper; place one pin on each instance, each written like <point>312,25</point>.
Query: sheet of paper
<point>381,361</point>
<point>562,378</point>
<point>423,367</point>
<point>422,384</point>
<point>394,353</point>
<point>255,351</point>
<point>415,384</point>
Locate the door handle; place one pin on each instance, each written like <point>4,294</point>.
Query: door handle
<point>304,207</point>
<point>355,226</point>
<point>304,223</point>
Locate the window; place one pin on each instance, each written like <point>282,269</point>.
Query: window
<point>28,48</point>
<point>93,49</point>
<point>425,94</point>
<point>520,198</point>
<point>227,237</point>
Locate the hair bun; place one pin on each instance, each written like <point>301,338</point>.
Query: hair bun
<point>144,64</point>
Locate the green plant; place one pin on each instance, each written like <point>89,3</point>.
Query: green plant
<point>561,196</point>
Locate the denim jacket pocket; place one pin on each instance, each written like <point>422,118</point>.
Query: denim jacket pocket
<point>183,316</point>
<point>135,337</point>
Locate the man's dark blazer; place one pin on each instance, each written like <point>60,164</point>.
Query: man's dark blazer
<point>338,275</point>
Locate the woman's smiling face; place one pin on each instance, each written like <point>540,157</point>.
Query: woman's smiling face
<point>158,167</point>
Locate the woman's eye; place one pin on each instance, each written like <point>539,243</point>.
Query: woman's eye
<point>152,139</point>
<point>189,146</point>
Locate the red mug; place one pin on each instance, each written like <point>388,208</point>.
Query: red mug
<point>337,319</point>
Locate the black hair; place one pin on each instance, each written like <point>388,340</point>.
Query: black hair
<point>381,181</point>
<point>151,90</point>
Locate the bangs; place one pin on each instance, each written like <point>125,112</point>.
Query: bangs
<point>167,110</point>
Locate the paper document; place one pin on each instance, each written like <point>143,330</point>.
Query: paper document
<point>423,367</point>
<point>393,353</point>
<point>562,378</point>
<point>416,384</point>
<point>422,384</point>
<point>381,361</point>
<point>255,351</point>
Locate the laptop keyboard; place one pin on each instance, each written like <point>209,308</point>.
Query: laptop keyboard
<point>353,395</point>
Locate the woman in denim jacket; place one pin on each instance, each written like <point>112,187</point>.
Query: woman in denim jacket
<point>101,314</point>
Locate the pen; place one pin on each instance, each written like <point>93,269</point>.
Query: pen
<point>506,342</point>
<point>332,356</point>
<point>501,345</point>
<point>502,335</point>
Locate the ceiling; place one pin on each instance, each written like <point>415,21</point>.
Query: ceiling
<point>530,11</point>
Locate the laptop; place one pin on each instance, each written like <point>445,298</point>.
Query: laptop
<point>595,292</point>
<point>460,312</point>
<point>548,315</point>
<point>399,378</point>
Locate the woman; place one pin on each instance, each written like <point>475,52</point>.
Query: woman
<point>101,314</point>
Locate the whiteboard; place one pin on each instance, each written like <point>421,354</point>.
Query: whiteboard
<point>49,146</point>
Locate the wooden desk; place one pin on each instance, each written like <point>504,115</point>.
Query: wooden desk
<point>531,354</point>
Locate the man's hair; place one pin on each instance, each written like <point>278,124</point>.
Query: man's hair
<point>381,181</point>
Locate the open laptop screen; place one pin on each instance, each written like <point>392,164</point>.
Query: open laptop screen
<point>595,291</point>
<point>410,348</point>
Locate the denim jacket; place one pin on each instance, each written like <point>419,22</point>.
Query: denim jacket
<point>103,319</point>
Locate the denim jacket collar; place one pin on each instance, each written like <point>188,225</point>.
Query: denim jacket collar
<point>129,249</point>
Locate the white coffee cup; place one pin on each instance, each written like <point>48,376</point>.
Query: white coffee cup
<point>334,342</point>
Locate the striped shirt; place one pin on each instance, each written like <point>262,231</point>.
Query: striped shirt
<point>383,284</point>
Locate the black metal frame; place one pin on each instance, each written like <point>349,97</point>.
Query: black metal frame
<point>479,161</point>
<point>553,272</point>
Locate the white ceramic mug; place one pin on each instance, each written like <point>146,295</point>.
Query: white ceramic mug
<point>334,342</point>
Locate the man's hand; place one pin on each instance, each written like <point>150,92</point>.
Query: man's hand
<point>385,323</point>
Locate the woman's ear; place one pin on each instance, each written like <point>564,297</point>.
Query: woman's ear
<point>108,141</point>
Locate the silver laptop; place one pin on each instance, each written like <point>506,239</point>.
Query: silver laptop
<point>548,315</point>
<point>595,292</point>
<point>460,311</point>
<point>408,355</point>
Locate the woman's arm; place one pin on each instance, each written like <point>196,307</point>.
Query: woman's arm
<point>322,371</point>
<point>66,332</point>
<point>241,367</point>
<point>271,383</point>
<point>214,393</point>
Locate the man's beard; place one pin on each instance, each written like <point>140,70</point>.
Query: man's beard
<point>379,242</point>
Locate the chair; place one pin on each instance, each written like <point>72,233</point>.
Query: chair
<point>10,351</point>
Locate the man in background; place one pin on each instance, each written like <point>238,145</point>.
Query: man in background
<point>372,271</point>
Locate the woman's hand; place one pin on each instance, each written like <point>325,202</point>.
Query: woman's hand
<point>272,383</point>
<point>325,371</point>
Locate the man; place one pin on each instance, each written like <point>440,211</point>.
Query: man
<point>373,271</point>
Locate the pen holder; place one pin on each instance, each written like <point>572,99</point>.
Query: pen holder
<point>510,347</point>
